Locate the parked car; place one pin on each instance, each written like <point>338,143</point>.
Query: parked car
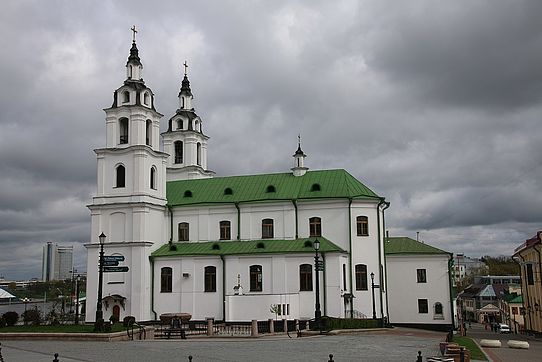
<point>504,328</point>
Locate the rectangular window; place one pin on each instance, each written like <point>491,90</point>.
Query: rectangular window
<point>421,275</point>
<point>530,275</point>
<point>256,278</point>
<point>166,280</point>
<point>344,277</point>
<point>305,278</point>
<point>183,231</point>
<point>361,277</point>
<point>315,227</point>
<point>210,279</point>
<point>225,230</point>
<point>515,310</point>
<point>362,223</point>
<point>423,306</point>
<point>267,229</point>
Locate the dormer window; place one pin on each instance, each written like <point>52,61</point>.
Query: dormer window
<point>188,193</point>
<point>228,191</point>
<point>146,99</point>
<point>125,97</point>
<point>315,187</point>
<point>270,188</point>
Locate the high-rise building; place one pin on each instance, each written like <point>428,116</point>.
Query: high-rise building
<point>57,262</point>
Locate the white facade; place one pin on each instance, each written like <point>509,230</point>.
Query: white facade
<point>143,227</point>
<point>409,291</point>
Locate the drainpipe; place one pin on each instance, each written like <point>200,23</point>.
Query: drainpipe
<point>170,227</point>
<point>450,269</point>
<point>350,256</point>
<point>324,282</point>
<point>294,202</point>
<point>238,221</point>
<point>540,271</point>
<point>385,279</point>
<point>223,288</point>
<point>151,258</point>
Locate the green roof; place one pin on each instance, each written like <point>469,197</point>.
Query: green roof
<point>405,245</point>
<point>313,185</point>
<point>264,246</point>
<point>513,298</point>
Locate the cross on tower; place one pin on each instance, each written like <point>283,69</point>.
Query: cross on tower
<point>185,67</point>
<point>134,31</point>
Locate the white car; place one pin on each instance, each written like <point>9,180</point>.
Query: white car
<point>503,328</point>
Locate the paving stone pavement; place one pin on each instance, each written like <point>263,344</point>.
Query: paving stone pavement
<point>382,346</point>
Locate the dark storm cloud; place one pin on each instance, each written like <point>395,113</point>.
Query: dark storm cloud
<point>434,105</point>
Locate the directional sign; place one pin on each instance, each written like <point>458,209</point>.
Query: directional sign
<point>115,269</point>
<point>111,262</point>
<point>319,265</point>
<point>114,257</point>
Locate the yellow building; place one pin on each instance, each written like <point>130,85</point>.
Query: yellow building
<point>529,257</point>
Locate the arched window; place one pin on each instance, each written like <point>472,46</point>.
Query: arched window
<point>178,151</point>
<point>256,278</point>
<point>129,71</point>
<point>198,154</point>
<point>166,280</point>
<point>146,98</point>
<point>153,178</point>
<point>315,226</point>
<point>196,127</point>
<point>126,95</point>
<point>121,176</point>
<point>362,223</point>
<point>228,191</point>
<point>183,231</point>
<point>123,131</point>
<point>210,279</point>
<point>361,277</point>
<point>267,229</point>
<point>225,230</point>
<point>270,188</point>
<point>438,311</point>
<point>315,187</point>
<point>148,132</point>
<point>305,278</point>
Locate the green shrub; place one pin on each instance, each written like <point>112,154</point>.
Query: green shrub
<point>114,319</point>
<point>32,316</point>
<point>128,321</point>
<point>11,318</point>
<point>2,322</point>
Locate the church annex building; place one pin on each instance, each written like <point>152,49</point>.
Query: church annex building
<point>228,248</point>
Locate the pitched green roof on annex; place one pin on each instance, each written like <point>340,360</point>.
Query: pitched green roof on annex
<point>249,247</point>
<point>318,184</point>
<point>405,245</point>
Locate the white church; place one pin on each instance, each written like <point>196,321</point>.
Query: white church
<point>231,248</point>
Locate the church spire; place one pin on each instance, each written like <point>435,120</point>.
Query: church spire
<point>299,156</point>
<point>134,67</point>
<point>185,94</point>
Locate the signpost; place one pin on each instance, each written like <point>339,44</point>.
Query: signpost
<point>114,257</point>
<point>115,269</point>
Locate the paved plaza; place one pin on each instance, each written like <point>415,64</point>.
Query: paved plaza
<point>393,345</point>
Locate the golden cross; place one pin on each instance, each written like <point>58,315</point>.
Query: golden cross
<point>133,29</point>
<point>185,67</point>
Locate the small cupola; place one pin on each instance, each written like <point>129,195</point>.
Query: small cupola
<point>134,67</point>
<point>299,156</point>
<point>185,94</point>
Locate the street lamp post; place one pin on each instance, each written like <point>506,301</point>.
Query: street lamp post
<point>373,290</point>
<point>317,312</point>
<point>98,326</point>
<point>77,299</point>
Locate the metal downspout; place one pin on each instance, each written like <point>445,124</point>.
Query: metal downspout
<point>324,282</point>
<point>387,205</point>
<point>382,202</point>
<point>223,288</point>
<point>170,225</point>
<point>350,257</point>
<point>238,221</point>
<point>539,272</point>
<point>294,202</point>
<point>152,288</point>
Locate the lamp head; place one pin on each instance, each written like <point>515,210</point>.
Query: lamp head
<point>102,238</point>
<point>372,275</point>
<point>316,244</point>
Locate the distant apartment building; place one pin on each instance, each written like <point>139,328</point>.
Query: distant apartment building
<point>497,279</point>
<point>463,266</point>
<point>57,262</point>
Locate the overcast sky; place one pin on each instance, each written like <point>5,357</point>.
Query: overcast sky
<point>435,105</point>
